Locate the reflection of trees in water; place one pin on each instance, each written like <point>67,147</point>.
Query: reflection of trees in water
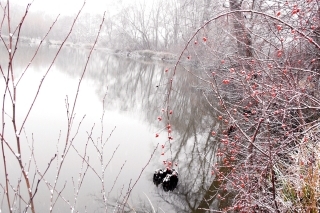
<point>133,85</point>
<point>130,83</point>
<point>102,67</point>
<point>194,149</point>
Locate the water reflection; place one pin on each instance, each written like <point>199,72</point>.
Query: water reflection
<point>130,107</point>
<point>194,149</point>
<point>136,93</point>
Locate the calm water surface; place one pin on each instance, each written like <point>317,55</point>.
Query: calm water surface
<point>134,94</point>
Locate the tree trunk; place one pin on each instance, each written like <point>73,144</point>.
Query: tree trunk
<point>241,33</point>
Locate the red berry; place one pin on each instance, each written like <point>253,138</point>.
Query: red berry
<point>204,39</point>
<point>157,135</point>
<point>279,27</point>
<point>295,11</point>
<point>279,53</point>
<point>226,81</point>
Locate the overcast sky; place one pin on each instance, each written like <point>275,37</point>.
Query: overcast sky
<point>65,7</point>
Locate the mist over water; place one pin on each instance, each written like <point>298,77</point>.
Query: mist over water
<point>130,89</point>
<point>135,94</point>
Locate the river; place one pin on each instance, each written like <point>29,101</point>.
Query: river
<point>134,94</point>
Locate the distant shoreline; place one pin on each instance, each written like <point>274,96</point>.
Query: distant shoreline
<point>135,54</point>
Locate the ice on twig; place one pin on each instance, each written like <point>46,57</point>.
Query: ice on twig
<point>17,155</point>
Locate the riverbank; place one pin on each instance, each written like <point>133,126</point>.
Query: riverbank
<point>135,54</point>
<point>145,54</point>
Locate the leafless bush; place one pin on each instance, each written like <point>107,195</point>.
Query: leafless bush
<point>258,65</point>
